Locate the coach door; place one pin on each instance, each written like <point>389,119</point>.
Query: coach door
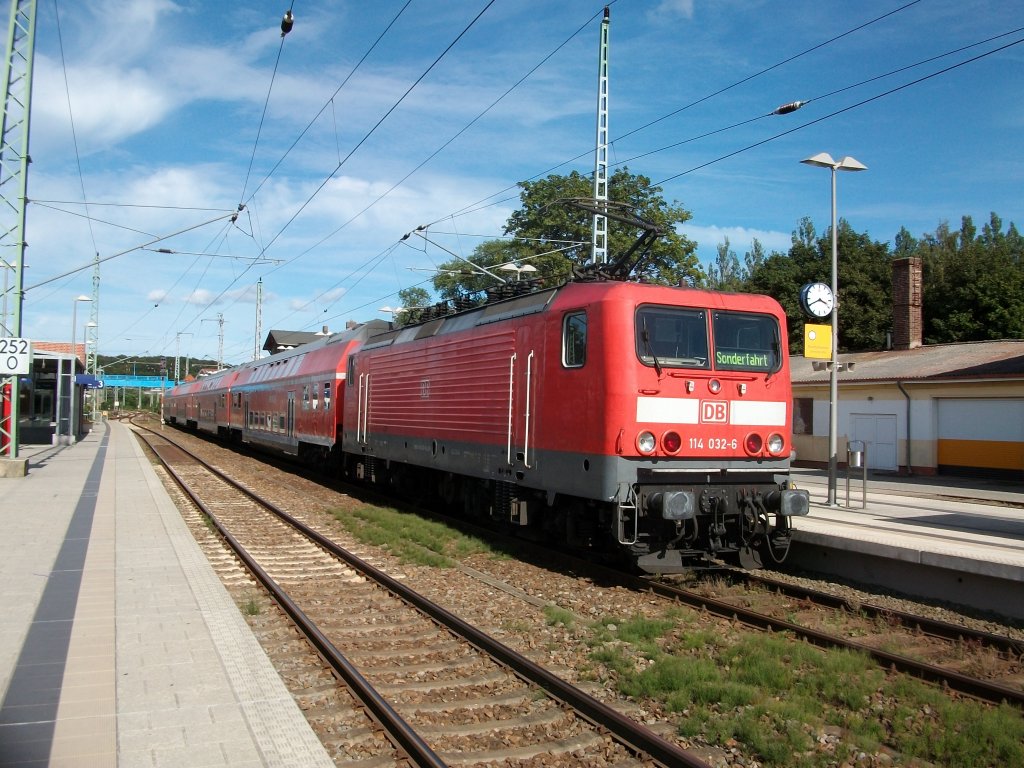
<point>291,414</point>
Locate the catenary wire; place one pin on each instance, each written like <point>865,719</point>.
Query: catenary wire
<point>266,104</point>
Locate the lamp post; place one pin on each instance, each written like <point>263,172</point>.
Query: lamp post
<point>74,357</point>
<point>824,160</point>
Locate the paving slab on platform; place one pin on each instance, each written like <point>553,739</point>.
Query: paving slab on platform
<point>119,646</point>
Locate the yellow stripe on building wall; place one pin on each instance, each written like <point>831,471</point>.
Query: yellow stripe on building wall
<point>994,454</point>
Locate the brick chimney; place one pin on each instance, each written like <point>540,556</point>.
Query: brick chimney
<point>906,299</point>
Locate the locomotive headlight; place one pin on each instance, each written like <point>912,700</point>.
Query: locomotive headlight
<point>671,442</point>
<point>753,443</point>
<point>673,505</point>
<point>715,386</point>
<point>775,443</point>
<point>645,442</point>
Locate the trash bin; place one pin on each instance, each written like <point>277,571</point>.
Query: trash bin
<point>856,452</point>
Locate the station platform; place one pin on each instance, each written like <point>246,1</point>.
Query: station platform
<point>955,540</point>
<point>119,646</point>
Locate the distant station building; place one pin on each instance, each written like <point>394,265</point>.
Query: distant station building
<point>278,341</point>
<point>955,409</point>
<point>45,395</point>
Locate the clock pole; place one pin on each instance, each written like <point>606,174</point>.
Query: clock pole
<point>824,160</point>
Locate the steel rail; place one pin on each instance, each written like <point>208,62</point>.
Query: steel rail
<point>629,732</point>
<point>980,689</point>
<point>934,627</point>
<point>401,734</point>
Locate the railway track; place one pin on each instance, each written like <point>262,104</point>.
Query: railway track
<point>1005,653</point>
<point>442,691</point>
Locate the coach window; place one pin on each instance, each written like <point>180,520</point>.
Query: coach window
<point>305,397</point>
<point>574,340</point>
<point>350,377</point>
<point>327,395</point>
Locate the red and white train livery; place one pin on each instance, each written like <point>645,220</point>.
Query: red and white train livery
<point>650,420</point>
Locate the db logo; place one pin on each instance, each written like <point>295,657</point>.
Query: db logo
<point>714,411</point>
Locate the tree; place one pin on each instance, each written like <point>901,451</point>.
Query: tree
<point>864,283</point>
<point>754,258</point>
<point>725,274</point>
<point>554,236</point>
<point>411,300</point>
<point>459,281</point>
<point>973,284</point>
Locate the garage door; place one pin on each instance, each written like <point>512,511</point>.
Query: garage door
<point>878,433</point>
<point>981,437</point>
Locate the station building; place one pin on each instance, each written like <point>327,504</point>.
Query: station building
<point>50,396</point>
<point>955,409</point>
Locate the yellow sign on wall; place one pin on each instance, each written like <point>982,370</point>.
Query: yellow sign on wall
<point>818,341</point>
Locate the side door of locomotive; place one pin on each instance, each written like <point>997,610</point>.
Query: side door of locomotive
<point>524,397</point>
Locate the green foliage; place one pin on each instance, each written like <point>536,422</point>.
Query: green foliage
<point>973,283</point>
<point>555,616</point>
<point>778,696</point>
<point>409,299</point>
<point>554,236</point>
<point>865,283</point>
<point>725,274</point>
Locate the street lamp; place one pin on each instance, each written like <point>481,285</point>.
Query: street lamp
<point>74,357</point>
<point>824,160</point>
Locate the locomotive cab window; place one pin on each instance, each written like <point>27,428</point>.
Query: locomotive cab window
<point>746,342</point>
<point>669,337</point>
<point>574,340</point>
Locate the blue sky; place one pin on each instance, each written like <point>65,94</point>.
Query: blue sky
<point>167,99</point>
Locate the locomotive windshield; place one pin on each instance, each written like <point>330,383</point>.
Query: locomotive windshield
<point>672,337</point>
<point>746,342</point>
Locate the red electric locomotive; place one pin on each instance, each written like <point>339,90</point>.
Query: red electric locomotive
<point>651,419</point>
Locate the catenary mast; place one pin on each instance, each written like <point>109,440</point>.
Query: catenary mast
<point>599,239</point>
<point>14,160</point>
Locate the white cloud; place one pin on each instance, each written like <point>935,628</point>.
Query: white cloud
<point>108,104</point>
<point>200,297</point>
<point>682,8</point>
<point>741,239</point>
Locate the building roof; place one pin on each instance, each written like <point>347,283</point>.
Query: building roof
<point>278,340</point>
<point>62,348</point>
<point>936,362</point>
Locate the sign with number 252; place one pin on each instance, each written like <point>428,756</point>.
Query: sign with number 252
<point>15,356</point>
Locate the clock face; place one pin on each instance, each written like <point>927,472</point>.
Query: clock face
<point>817,300</point>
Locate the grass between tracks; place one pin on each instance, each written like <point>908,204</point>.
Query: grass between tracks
<point>796,705</point>
<point>411,538</point>
<point>789,704</point>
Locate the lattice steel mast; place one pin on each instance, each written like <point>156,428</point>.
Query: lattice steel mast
<point>14,160</point>
<point>599,240</point>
